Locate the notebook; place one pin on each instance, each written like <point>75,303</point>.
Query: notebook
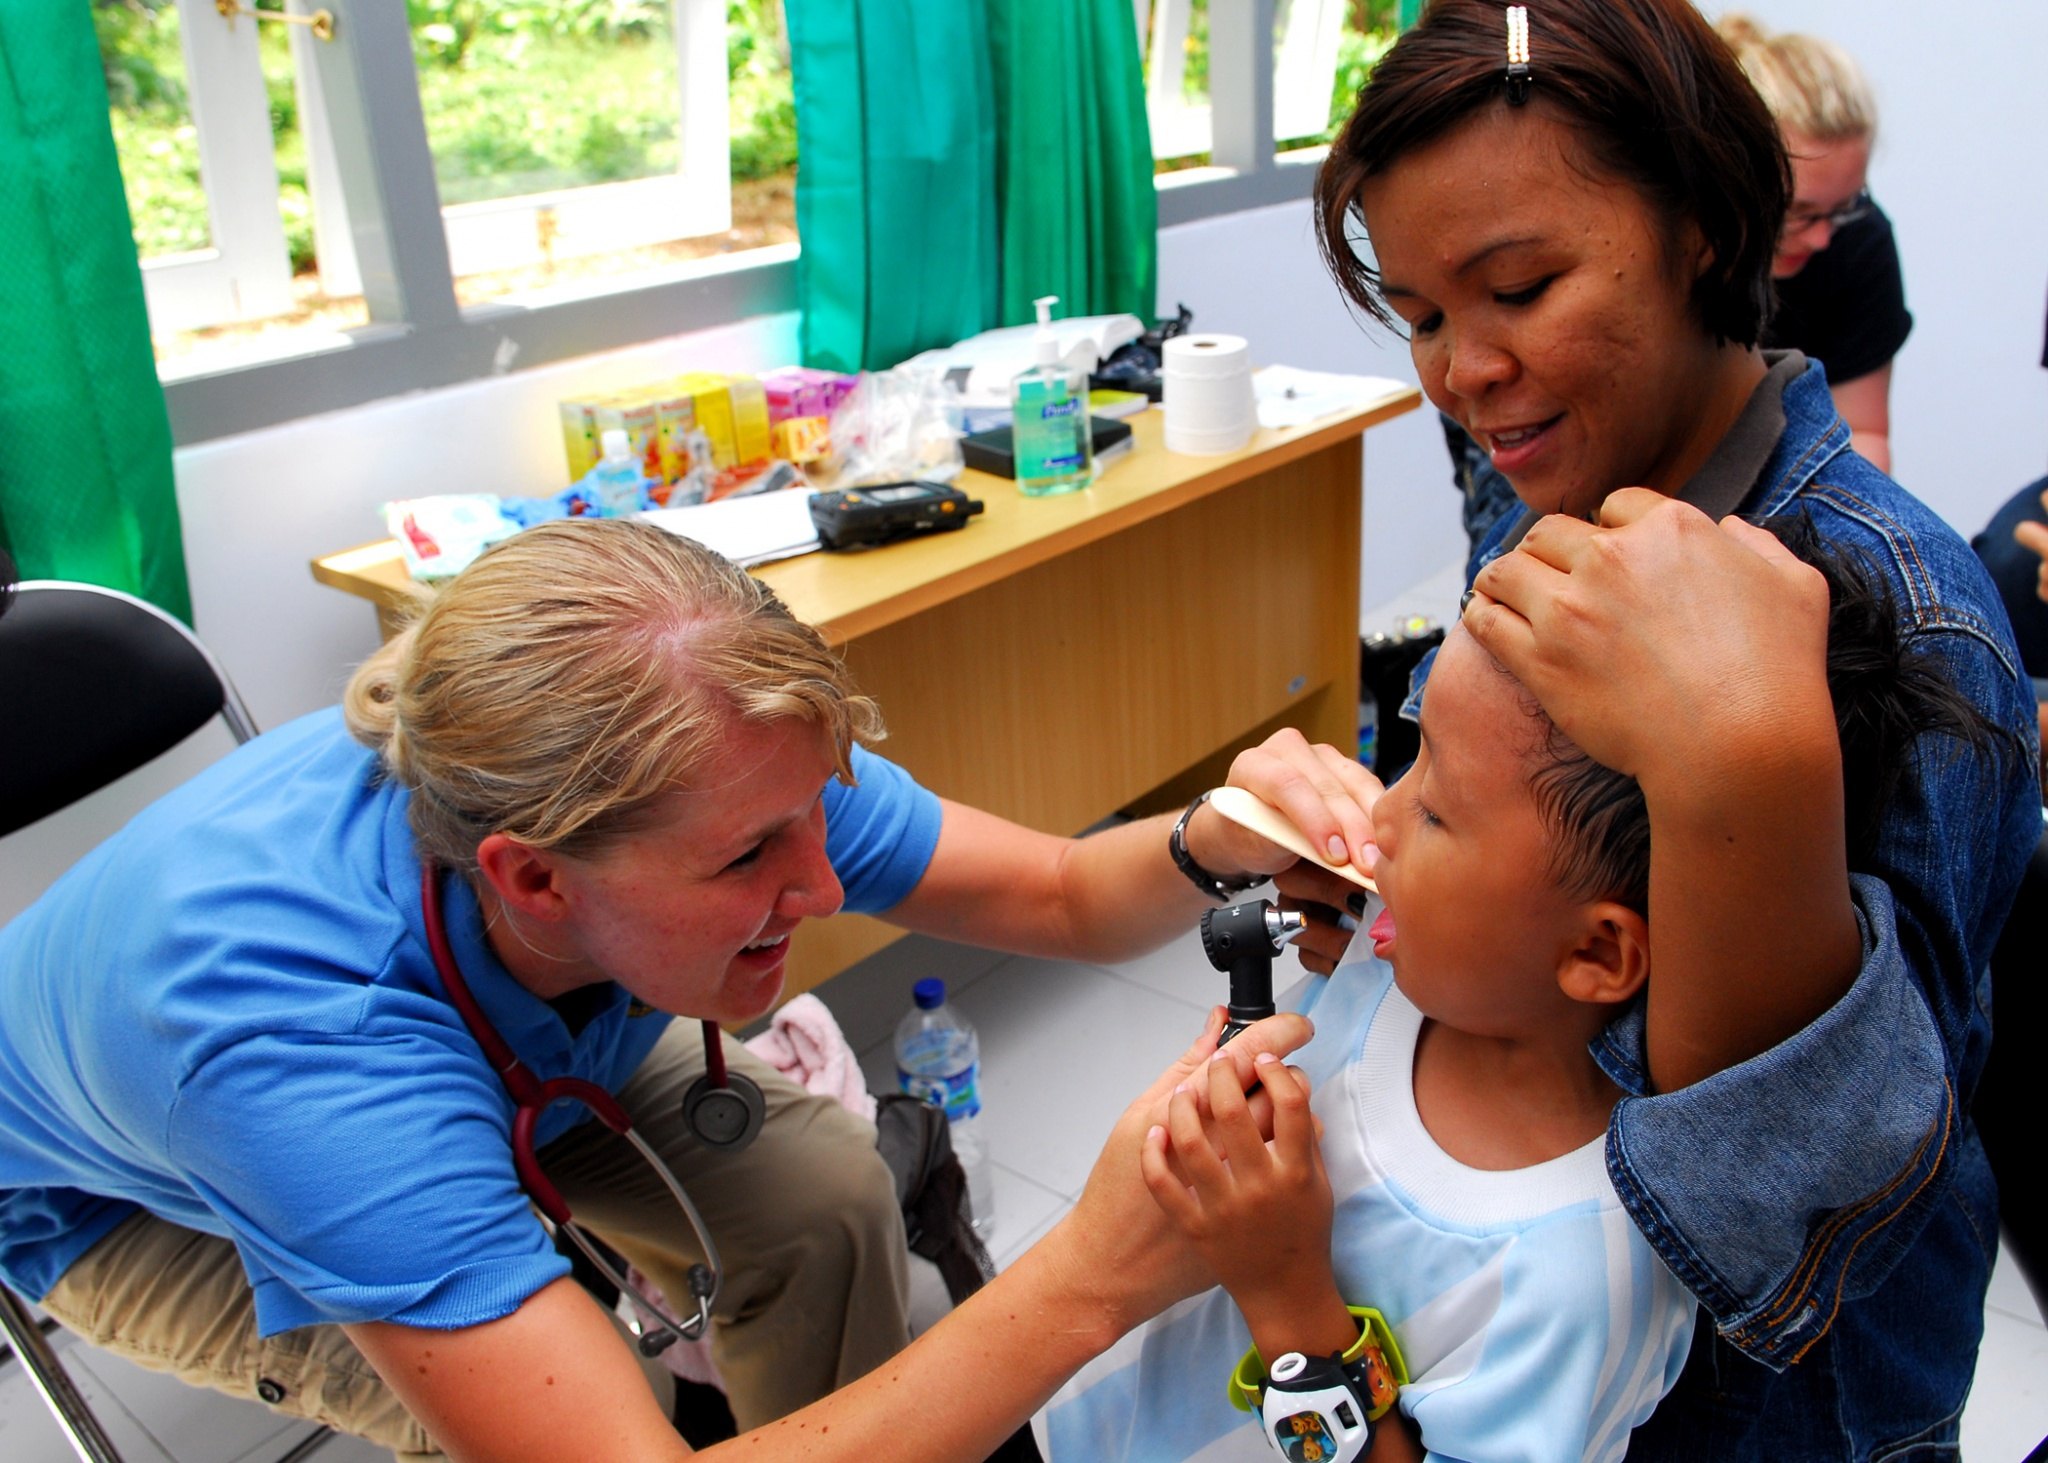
<point>992,452</point>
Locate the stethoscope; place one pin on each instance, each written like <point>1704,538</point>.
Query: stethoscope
<point>724,1109</point>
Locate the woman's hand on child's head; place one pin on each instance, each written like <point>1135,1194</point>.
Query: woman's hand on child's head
<point>1665,645</point>
<point>1258,1211</point>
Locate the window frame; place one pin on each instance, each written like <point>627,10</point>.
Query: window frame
<point>244,268</point>
<point>419,338</point>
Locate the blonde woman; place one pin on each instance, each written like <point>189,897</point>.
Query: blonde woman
<point>1841,297</point>
<point>247,1136</point>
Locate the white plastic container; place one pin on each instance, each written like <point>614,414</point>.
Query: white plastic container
<point>938,1060</point>
<point>616,482</point>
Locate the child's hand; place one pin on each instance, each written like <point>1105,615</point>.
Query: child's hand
<point>1117,1246</point>
<point>1258,1213</point>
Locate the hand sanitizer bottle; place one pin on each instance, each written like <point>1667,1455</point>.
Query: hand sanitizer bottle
<point>616,484</point>
<point>1050,434</point>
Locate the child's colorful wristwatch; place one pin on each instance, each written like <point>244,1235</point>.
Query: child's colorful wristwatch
<point>1323,1408</point>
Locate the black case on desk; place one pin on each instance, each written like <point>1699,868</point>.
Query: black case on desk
<point>993,452</point>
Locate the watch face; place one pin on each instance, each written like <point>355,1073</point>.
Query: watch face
<point>1304,1437</point>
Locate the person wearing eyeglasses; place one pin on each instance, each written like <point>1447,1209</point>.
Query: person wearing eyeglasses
<point>1841,294</point>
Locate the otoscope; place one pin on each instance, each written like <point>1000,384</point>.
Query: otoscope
<point>1243,939</point>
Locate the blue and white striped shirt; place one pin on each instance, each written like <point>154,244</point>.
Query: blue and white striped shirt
<point>1536,1322</point>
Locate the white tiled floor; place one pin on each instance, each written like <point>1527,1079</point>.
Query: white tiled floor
<point>1065,1047</point>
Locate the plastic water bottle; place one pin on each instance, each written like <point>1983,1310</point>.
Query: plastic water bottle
<point>938,1060</point>
<point>616,482</point>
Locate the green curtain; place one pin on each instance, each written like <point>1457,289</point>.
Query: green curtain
<point>1079,215</point>
<point>895,198</point>
<point>957,160</point>
<point>85,442</point>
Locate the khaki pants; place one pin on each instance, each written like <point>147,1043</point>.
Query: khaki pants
<point>805,1219</point>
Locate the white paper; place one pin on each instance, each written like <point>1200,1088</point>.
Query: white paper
<point>756,529</point>
<point>1290,397</point>
<point>995,358</point>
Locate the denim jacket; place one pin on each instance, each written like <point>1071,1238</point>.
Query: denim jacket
<point>1833,1186</point>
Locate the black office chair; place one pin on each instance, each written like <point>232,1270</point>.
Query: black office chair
<point>2007,1107</point>
<point>93,684</point>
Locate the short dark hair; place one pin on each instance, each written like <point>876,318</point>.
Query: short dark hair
<point>1655,96</point>
<point>1887,693</point>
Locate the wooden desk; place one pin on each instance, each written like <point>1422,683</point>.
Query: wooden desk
<point>1061,659</point>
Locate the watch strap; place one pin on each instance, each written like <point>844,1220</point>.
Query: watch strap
<point>1201,878</point>
<point>1372,1365</point>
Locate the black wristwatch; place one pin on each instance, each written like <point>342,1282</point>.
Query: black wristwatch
<point>1201,878</point>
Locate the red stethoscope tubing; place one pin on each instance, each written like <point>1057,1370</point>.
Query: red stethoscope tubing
<point>531,1097</point>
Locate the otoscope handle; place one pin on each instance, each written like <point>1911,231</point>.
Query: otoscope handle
<point>1242,939</point>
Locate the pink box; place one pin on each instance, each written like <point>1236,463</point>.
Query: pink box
<point>800,391</point>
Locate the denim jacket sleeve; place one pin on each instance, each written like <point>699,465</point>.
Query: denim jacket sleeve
<point>1838,1135</point>
<point>1786,1184</point>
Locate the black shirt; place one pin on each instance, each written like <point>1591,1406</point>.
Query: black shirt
<point>1847,307</point>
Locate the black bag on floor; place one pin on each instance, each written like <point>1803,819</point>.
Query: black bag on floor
<point>917,1144</point>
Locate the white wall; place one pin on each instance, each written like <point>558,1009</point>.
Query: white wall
<point>1258,275</point>
<point>1960,167</point>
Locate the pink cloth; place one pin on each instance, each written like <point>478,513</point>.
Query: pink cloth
<point>804,1044</point>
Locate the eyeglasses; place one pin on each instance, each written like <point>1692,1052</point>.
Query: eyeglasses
<point>1799,220</point>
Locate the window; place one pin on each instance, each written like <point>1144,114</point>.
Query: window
<point>191,123</point>
<point>571,143</point>
<point>1321,52</point>
<point>572,140</point>
<point>447,188</point>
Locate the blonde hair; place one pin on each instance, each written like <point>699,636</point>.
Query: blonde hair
<point>574,673</point>
<point>1813,87</point>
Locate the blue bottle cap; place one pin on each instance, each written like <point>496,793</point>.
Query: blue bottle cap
<point>929,993</point>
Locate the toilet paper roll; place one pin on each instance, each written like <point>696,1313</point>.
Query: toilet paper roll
<point>1207,393</point>
<point>1196,356</point>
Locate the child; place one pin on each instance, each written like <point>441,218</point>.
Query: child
<point>1463,1116</point>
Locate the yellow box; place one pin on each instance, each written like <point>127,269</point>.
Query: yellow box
<point>802,440</point>
<point>711,396</point>
<point>749,418</point>
<point>579,434</point>
<point>675,418</point>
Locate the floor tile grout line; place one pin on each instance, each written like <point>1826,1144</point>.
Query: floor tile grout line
<point>1202,1007</point>
<point>2033,1320</point>
<point>82,1357</point>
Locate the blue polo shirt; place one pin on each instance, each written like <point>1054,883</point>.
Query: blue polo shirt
<point>227,1015</point>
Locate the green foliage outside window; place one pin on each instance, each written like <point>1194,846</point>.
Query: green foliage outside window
<point>520,96</point>
<point>1370,29</point>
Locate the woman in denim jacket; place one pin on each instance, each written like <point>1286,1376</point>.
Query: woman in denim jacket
<point>1579,244</point>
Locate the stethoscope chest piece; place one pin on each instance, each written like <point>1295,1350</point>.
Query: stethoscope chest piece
<point>727,1116</point>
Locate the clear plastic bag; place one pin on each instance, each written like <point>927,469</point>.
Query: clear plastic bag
<point>893,426</point>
